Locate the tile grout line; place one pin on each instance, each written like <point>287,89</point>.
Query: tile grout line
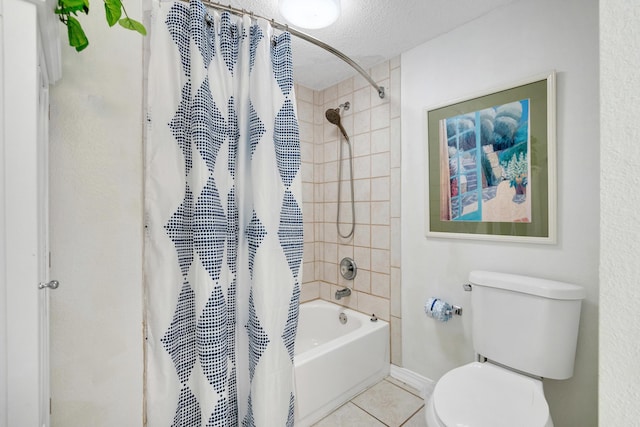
<point>411,393</point>
<point>402,388</point>
<point>412,415</point>
<point>368,413</point>
<point>376,418</point>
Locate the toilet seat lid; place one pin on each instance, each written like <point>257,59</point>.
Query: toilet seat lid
<point>485,395</point>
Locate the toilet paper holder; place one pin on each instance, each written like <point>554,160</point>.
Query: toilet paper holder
<point>441,310</point>
<point>456,309</point>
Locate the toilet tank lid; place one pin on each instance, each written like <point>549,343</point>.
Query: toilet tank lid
<point>528,285</point>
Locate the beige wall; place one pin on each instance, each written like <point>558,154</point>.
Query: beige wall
<point>619,220</point>
<point>373,125</point>
<point>96,229</point>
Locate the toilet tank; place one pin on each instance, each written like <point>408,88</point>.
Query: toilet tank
<point>526,323</point>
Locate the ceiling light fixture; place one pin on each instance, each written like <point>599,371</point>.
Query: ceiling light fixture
<point>310,14</point>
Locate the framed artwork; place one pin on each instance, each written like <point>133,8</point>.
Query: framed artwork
<point>491,165</point>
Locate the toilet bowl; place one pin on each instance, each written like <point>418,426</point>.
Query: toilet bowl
<point>525,328</point>
<point>486,395</point>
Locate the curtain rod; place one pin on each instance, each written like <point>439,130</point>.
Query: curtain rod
<point>301,35</point>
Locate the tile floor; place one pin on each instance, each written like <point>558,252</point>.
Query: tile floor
<point>389,403</point>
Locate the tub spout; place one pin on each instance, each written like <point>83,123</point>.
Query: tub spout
<point>343,293</point>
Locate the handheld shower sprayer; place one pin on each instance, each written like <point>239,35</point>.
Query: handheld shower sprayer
<point>333,116</point>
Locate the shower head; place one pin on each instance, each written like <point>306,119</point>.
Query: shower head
<point>333,116</point>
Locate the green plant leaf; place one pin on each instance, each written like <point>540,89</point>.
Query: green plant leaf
<point>113,10</point>
<point>77,37</point>
<point>69,11</point>
<point>74,5</point>
<point>66,7</point>
<point>132,24</point>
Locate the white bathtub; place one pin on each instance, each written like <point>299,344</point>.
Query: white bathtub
<point>334,362</point>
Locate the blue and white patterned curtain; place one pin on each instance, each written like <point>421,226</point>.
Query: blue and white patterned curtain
<point>223,254</point>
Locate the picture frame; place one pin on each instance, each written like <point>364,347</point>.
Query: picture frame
<point>491,164</point>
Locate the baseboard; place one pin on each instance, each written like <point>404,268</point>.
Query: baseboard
<point>423,384</point>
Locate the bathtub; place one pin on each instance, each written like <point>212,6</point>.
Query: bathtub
<point>333,361</point>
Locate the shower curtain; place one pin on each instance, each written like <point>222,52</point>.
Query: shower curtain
<point>223,221</point>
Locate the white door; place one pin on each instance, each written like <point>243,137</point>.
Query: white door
<point>45,285</point>
<point>24,265</point>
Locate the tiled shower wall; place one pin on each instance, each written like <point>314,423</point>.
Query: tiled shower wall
<point>373,125</point>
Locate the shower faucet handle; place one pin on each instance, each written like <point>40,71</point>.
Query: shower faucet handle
<point>348,268</point>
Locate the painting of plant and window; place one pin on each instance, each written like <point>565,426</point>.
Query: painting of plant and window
<point>485,165</point>
<point>491,168</point>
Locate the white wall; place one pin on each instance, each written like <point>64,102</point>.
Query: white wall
<point>96,229</point>
<point>517,41</point>
<point>619,222</point>
<point>96,205</point>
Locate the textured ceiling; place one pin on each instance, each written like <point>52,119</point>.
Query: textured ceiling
<point>370,32</point>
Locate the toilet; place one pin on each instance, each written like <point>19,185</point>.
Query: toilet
<point>524,329</point>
